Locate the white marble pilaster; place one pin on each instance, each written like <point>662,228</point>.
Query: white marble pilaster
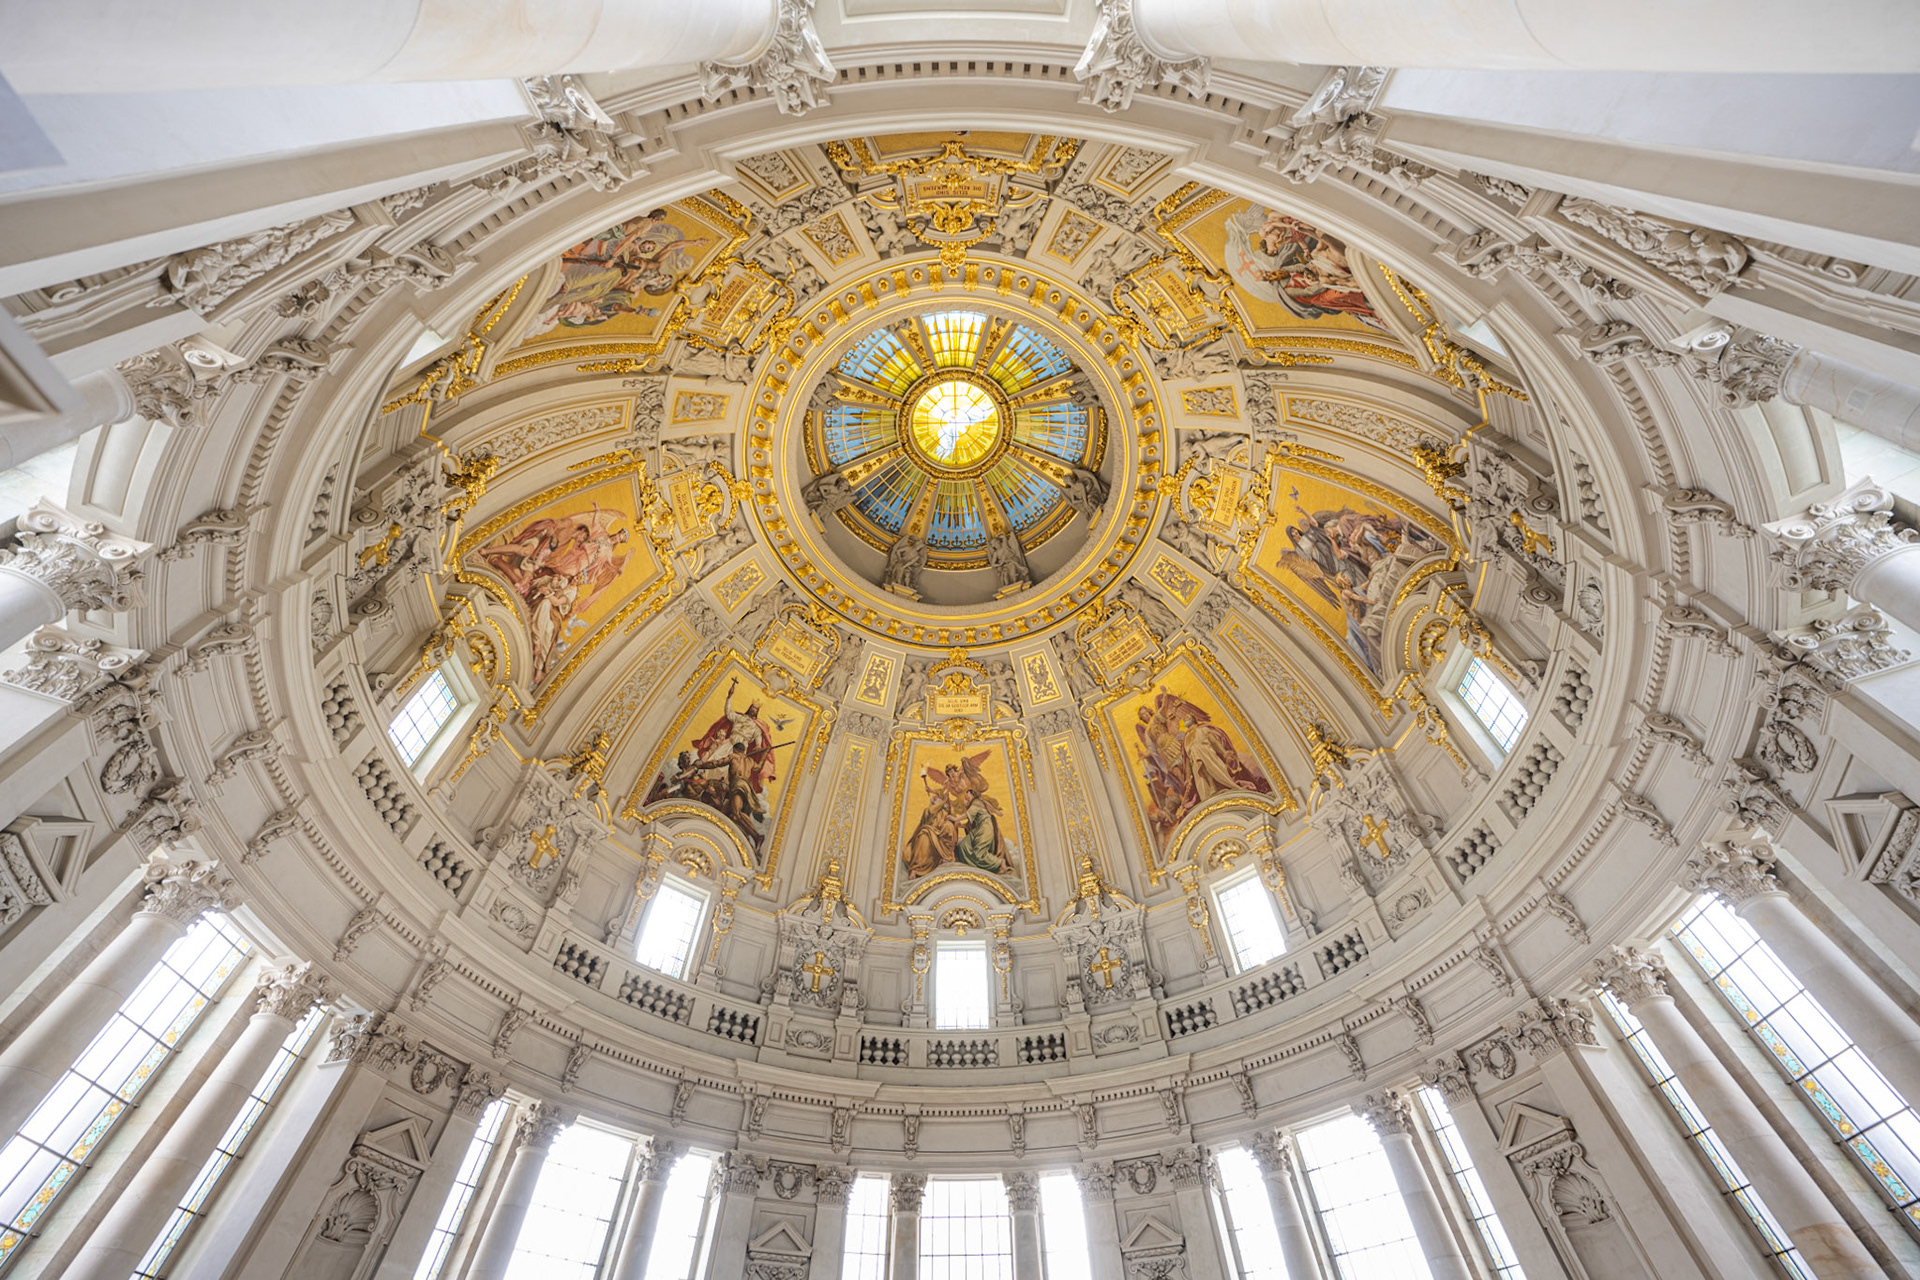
<point>179,890</point>
<point>739,1177</point>
<point>1023,1205</point>
<point>905,1192</point>
<point>1391,1115</point>
<point>1741,873</point>
<point>1639,980</point>
<point>534,1131</point>
<point>137,1216</point>
<point>1103,1231</point>
<point>832,1184</point>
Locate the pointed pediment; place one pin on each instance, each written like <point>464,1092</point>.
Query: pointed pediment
<point>780,1238</point>
<point>403,1140</point>
<point>1862,825</point>
<point>1527,1126</point>
<point>1151,1232</point>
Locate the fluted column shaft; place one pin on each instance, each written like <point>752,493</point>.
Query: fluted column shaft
<point>137,1216</point>
<point>1275,1158</point>
<point>177,895</point>
<point>644,1220</point>
<point>1023,1206</point>
<point>906,1191</point>
<point>1742,874</point>
<point>831,1187</point>
<point>1816,1228</point>
<point>534,1134</point>
<point>1103,1233</point>
<point>1392,1118</point>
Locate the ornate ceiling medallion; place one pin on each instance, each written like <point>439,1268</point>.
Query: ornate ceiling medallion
<point>951,459</point>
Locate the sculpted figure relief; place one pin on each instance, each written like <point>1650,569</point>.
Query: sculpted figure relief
<point>906,561</point>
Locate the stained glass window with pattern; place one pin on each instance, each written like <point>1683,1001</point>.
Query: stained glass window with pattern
<point>58,1141</point>
<point>233,1144</point>
<point>1774,1244</point>
<point>422,716</point>
<point>1493,704</point>
<point>1854,1100</point>
<point>1472,1190</point>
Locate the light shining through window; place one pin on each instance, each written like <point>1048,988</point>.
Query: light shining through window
<point>1252,924</point>
<point>683,1215</point>
<point>233,1144</point>
<point>864,1251</point>
<point>57,1143</point>
<point>1505,1265</point>
<point>962,998</point>
<point>666,936</point>
<point>1774,1244</point>
<point>1063,1227</point>
<point>1359,1204</point>
<point>1256,1243</point>
<point>473,1167</point>
<point>565,1230</point>
<point>965,1233</point>
<point>421,717</point>
<point>1493,704</point>
<point>1873,1122</point>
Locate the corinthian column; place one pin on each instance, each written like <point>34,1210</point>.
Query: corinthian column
<point>1639,980</point>
<point>285,994</point>
<point>1275,1157</point>
<point>533,1137</point>
<point>906,1190</point>
<point>1851,545</point>
<point>831,1186</point>
<point>654,1168</point>
<point>1391,1115</point>
<point>1023,1205</point>
<point>58,562</point>
<point>178,891</point>
<point>1103,1234</point>
<point>1741,873</point>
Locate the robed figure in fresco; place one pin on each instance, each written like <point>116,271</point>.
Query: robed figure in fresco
<point>558,566</point>
<point>617,272</point>
<point>960,824</point>
<point>1188,760</point>
<point>1284,260</point>
<point>1353,558</point>
<point>728,767</point>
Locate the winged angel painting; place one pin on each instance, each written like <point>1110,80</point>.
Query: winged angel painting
<point>560,565</point>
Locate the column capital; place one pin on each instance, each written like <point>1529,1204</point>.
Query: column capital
<point>83,562</point>
<point>478,1089</point>
<point>831,1183</point>
<point>1023,1191</point>
<point>1750,365</point>
<point>1449,1074</point>
<point>379,1040</point>
<point>1118,61</point>
<point>1272,1153</point>
<point>905,1190</point>
<point>1390,1112</point>
<point>1186,1167</point>
<point>1841,650</point>
<point>793,67</point>
<point>1738,870</point>
<point>182,888</point>
<point>539,1125</point>
<point>1828,546</point>
<point>1096,1179</point>
<point>656,1163</point>
<point>71,667</point>
<point>1631,974</point>
<point>741,1171</point>
<point>290,988</point>
<point>1547,1027</point>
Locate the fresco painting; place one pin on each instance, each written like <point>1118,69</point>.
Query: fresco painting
<point>1288,274</point>
<point>1182,747</point>
<point>623,281</point>
<point>958,813</point>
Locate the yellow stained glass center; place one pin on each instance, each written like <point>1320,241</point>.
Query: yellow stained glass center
<point>955,423</point>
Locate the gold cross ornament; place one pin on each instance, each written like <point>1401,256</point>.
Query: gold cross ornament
<point>1374,832</point>
<point>1105,966</point>
<point>818,968</point>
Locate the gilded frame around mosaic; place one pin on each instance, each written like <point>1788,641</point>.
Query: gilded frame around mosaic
<point>958,733</point>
